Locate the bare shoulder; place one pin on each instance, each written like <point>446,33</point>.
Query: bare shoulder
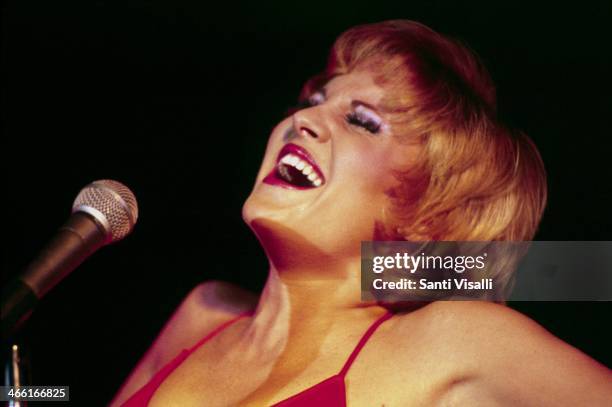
<point>214,300</point>
<point>506,354</point>
<point>483,326</point>
<point>480,317</point>
<point>205,307</point>
<point>463,329</point>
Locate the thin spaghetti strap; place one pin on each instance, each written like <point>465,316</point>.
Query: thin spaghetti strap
<point>363,341</point>
<point>218,329</point>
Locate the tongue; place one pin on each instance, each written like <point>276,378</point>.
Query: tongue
<point>293,176</point>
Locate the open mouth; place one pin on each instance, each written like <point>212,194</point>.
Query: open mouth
<point>295,169</point>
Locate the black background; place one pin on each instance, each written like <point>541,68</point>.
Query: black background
<point>176,99</point>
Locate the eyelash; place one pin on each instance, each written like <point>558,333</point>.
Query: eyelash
<point>356,119</point>
<point>352,118</point>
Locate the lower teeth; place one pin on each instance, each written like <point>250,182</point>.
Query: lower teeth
<point>284,173</point>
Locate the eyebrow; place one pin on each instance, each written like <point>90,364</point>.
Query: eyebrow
<point>354,103</point>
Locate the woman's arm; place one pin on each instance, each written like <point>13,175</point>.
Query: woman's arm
<point>517,362</point>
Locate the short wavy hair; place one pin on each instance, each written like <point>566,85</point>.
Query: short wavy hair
<point>476,179</point>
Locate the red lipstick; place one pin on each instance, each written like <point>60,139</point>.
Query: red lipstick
<point>295,169</point>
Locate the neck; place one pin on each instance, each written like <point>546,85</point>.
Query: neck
<point>305,303</point>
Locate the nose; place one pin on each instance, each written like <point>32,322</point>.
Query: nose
<point>308,123</point>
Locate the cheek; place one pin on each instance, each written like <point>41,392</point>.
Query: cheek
<point>369,166</point>
<point>364,179</point>
<point>277,134</point>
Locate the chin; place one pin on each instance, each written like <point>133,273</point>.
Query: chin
<point>277,204</point>
<point>257,207</point>
<point>289,242</point>
<point>258,211</point>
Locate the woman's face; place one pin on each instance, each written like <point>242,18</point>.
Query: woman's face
<point>327,168</point>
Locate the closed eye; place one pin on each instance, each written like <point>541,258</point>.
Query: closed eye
<point>364,118</point>
<point>361,116</point>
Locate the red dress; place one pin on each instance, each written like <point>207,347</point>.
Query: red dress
<point>330,392</point>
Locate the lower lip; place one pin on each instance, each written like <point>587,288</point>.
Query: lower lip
<point>273,179</point>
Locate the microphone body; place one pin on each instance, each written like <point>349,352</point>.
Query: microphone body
<point>91,226</point>
<point>74,242</point>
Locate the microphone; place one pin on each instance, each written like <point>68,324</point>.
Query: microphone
<point>103,212</point>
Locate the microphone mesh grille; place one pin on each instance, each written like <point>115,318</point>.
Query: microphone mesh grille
<point>114,201</point>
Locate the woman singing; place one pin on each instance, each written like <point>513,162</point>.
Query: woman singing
<point>396,140</point>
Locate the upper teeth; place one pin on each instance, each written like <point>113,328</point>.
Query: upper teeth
<point>304,167</point>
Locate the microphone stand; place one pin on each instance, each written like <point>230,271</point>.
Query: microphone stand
<point>15,373</point>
